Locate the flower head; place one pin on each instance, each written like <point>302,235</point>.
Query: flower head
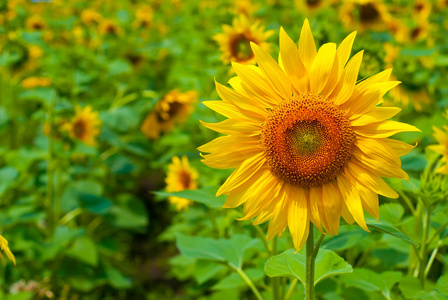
<point>365,14</point>
<point>85,125</point>
<point>442,148</point>
<point>173,108</point>
<point>235,41</point>
<point>33,82</point>
<point>180,177</point>
<point>307,140</point>
<point>35,22</point>
<point>5,248</point>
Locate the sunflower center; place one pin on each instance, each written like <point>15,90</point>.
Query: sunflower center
<point>240,47</point>
<point>312,3</point>
<point>185,180</point>
<point>369,12</point>
<point>307,140</point>
<point>79,129</point>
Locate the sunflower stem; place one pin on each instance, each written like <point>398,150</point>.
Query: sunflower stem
<point>424,245</point>
<point>309,288</point>
<point>291,289</point>
<point>249,283</point>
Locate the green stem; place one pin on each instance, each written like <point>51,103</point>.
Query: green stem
<point>319,242</point>
<point>50,177</point>
<point>441,228</point>
<point>309,286</point>
<point>424,250</point>
<point>408,202</point>
<point>291,288</point>
<point>275,280</point>
<point>248,282</point>
<point>433,256</point>
<point>263,239</point>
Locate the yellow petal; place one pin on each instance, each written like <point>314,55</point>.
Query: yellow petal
<point>384,129</point>
<point>234,126</point>
<point>279,220</point>
<point>377,114</point>
<point>379,151</point>
<point>298,217</point>
<point>254,84</point>
<point>321,67</point>
<point>290,59</point>
<point>332,206</point>
<point>344,50</point>
<point>350,195</point>
<point>242,173</point>
<point>401,148</point>
<point>377,78</point>
<point>346,84</point>
<point>314,198</point>
<point>226,143</point>
<point>307,46</point>
<point>272,71</point>
<point>369,201</point>
<point>379,167</point>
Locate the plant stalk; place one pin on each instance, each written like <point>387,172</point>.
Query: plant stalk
<point>309,286</point>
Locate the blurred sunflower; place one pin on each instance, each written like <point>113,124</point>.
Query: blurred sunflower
<point>33,82</point>
<point>173,108</point>
<point>310,5</point>
<point>421,9</point>
<point>91,17</point>
<point>244,7</point>
<point>5,248</point>
<point>180,177</point>
<point>419,32</point>
<point>35,22</point>
<point>109,27</point>
<point>442,148</point>
<point>143,17</point>
<point>234,42</point>
<point>398,29</point>
<point>308,142</point>
<point>365,14</point>
<point>85,125</point>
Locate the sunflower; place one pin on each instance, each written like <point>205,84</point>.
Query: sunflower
<point>398,29</point>
<point>308,142</point>
<point>311,5</point>
<point>143,17</point>
<point>35,22</point>
<point>173,108</point>
<point>85,125</point>
<point>442,148</point>
<point>235,41</point>
<point>90,17</point>
<point>180,177</point>
<point>366,14</point>
<point>419,32</point>
<point>109,27</point>
<point>5,248</point>
<point>421,9</point>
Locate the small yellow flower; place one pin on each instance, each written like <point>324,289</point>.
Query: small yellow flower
<point>364,14</point>
<point>234,42</point>
<point>91,17</point>
<point>420,32</point>
<point>180,177</point>
<point>421,9</point>
<point>35,22</point>
<point>5,248</point>
<point>33,82</point>
<point>143,17</point>
<point>173,108</point>
<point>109,27</point>
<point>85,125</point>
<point>442,148</point>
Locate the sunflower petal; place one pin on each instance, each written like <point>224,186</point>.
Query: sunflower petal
<point>321,67</point>
<point>290,59</point>
<point>384,129</point>
<point>346,84</point>
<point>307,46</point>
<point>298,218</point>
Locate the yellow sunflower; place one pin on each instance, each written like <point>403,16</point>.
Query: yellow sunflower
<point>307,141</point>
<point>35,22</point>
<point>442,148</point>
<point>364,14</point>
<point>85,125</point>
<point>421,9</point>
<point>91,17</point>
<point>174,108</point>
<point>311,5</point>
<point>5,248</point>
<point>180,177</point>
<point>420,32</point>
<point>109,27</point>
<point>235,41</point>
<point>398,29</point>
<point>143,17</point>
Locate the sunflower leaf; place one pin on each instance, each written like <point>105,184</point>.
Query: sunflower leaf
<point>205,196</point>
<point>392,231</point>
<point>288,263</point>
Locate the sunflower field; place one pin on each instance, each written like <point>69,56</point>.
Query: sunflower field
<point>224,149</point>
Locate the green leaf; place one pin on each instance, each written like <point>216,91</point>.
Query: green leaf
<point>442,285</point>
<point>231,250</point>
<point>7,177</point>
<point>344,240</point>
<point>288,263</point>
<point>234,280</point>
<point>84,249</point>
<point>205,196</point>
<point>390,230</point>
<point>206,270</point>
<point>391,213</point>
<point>116,279</point>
